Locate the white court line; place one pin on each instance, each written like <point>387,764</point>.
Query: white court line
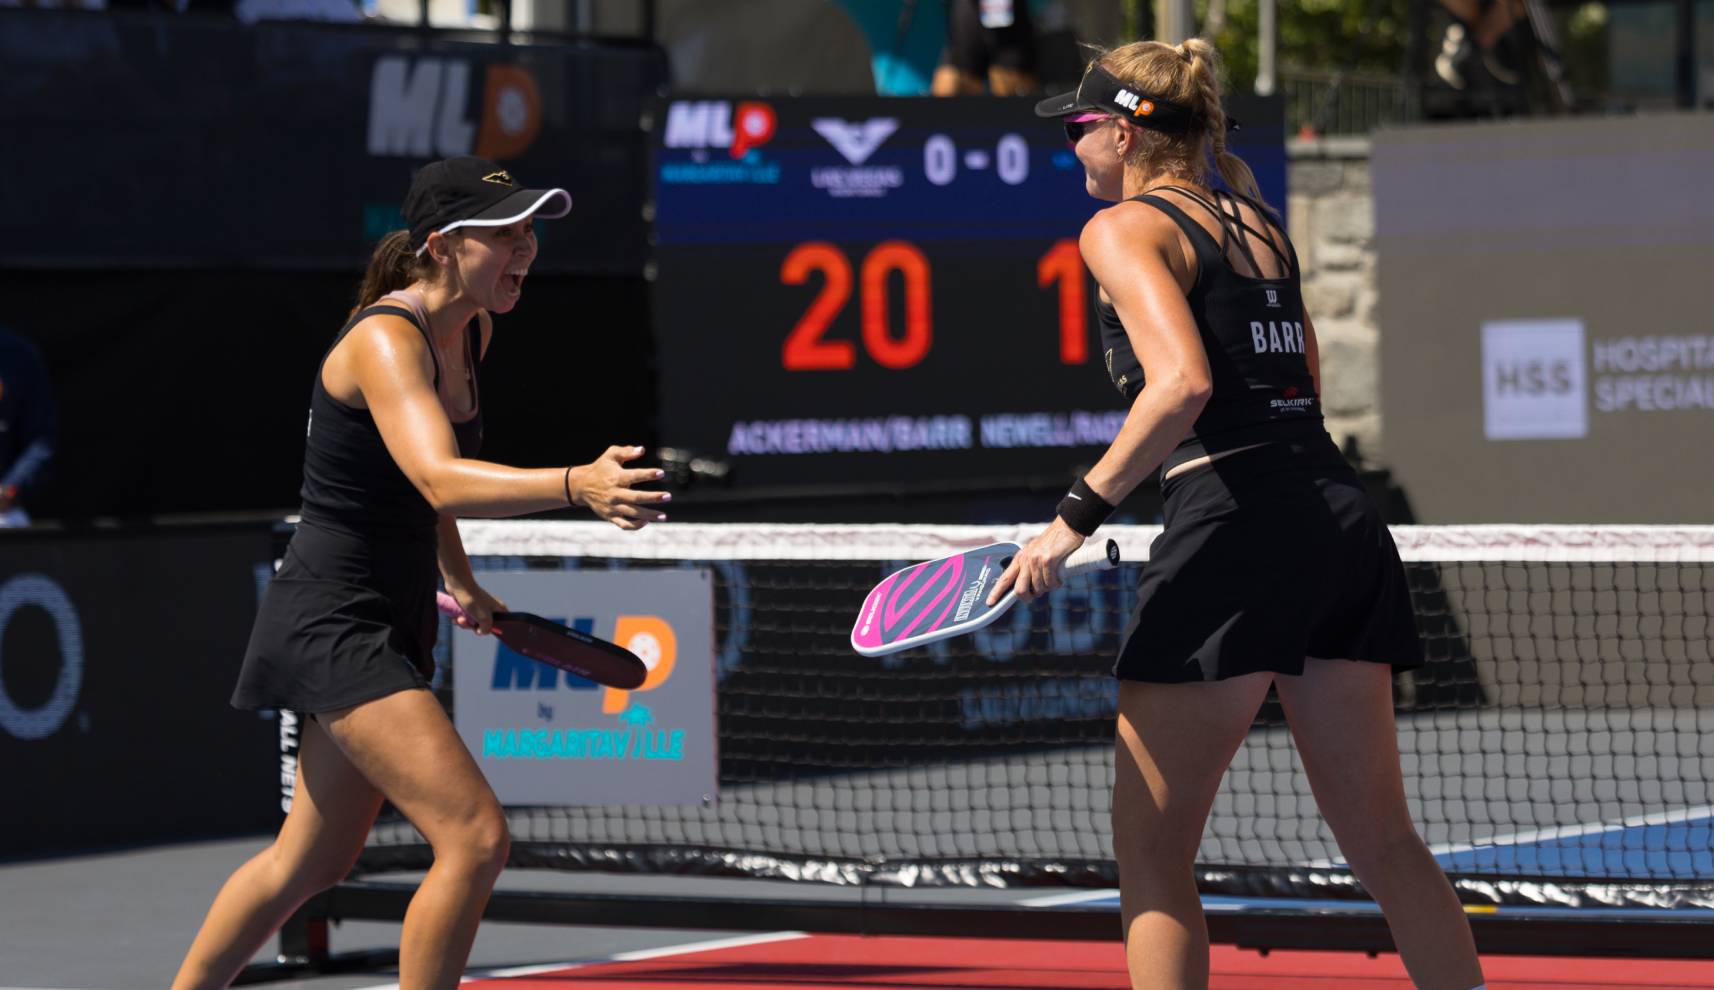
<point>1076,897</point>
<point>1551,833</point>
<point>632,956</point>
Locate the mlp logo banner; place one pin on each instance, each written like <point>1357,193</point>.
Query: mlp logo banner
<point>545,737</point>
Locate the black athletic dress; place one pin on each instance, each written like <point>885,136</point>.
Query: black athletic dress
<point>1271,554</point>
<point>350,616</point>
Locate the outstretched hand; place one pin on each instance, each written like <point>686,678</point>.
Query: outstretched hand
<point>608,489</point>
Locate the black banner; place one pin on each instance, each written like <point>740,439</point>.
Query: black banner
<point>186,391</point>
<point>118,652</point>
<point>157,141</point>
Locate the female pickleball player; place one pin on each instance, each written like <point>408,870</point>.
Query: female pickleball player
<point>1274,567</point>
<point>345,629</point>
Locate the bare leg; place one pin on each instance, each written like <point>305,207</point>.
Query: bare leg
<point>406,746</point>
<point>1495,22</point>
<point>950,81</point>
<point>1465,10</point>
<point>1341,717</point>
<point>1174,744</point>
<point>332,809</point>
<point>1010,82</point>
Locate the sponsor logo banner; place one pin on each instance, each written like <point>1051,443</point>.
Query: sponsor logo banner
<point>1537,382</point>
<point>1533,380</point>
<point>362,112</point>
<point>420,108</point>
<point>737,130</point>
<point>856,141</point>
<point>545,737</point>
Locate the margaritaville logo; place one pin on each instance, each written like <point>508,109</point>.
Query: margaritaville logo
<point>637,739</point>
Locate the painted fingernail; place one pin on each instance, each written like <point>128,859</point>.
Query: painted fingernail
<point>666,496</point>
<point>660,474</point>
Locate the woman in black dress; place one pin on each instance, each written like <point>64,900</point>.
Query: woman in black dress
<point>1274,567</point>
<point>345,630</point>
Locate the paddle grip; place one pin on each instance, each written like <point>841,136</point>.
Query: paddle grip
<point>448,605</point>
<point>1094,556</point>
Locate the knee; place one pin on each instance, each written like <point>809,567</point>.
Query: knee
<point>482,844</point>
<point>1379,854</point>
<point>1152,848</point>
<point>494,842</point>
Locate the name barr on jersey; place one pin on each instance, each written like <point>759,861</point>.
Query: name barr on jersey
<point>1277,337</point>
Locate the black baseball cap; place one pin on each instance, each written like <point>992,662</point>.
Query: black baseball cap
<point>1101,91</point>
<point>467,191</point>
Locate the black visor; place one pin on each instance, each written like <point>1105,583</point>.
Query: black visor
<point>470,192</point>
<point>1102,92</point>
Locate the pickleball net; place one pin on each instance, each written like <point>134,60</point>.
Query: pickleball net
<point>1558,746</point>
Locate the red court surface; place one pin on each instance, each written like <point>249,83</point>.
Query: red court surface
<point>788,962</point>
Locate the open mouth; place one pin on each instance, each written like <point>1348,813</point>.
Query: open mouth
<point>515,279</point>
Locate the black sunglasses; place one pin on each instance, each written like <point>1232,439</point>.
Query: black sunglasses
<point>1076,128</point>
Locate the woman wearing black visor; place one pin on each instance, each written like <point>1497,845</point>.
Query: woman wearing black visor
<point>1274,568</point>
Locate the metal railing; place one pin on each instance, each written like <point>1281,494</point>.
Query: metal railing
<point>1329,102</point>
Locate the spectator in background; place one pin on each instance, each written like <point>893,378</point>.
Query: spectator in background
<point>990,48</point>
<point>1477,35</point>
<point>26,428</point>
<point>341,11</point>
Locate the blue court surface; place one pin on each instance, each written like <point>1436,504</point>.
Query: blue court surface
<point>1215,904</point>
<point>1669,846</point>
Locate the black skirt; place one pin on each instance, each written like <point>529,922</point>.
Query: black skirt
<point>348,618</point>
<point>1269,556</point>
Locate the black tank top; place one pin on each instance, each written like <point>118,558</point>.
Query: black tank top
<point>350,480</point>
<point>1252,330</point>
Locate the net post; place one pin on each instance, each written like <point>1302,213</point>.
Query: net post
<point>304,937</point>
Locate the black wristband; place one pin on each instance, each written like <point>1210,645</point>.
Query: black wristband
<point>1082,509</point>
<point>568,502</point>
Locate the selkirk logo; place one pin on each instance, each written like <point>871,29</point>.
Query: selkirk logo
<point>855,141</point>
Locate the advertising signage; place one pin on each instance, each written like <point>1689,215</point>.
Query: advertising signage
<point>871,290</point>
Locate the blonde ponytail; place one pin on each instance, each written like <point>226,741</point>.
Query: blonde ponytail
<point>1236,172</point>
<point>1205,73</point>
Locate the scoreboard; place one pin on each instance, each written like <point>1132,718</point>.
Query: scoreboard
<point>883,290</point>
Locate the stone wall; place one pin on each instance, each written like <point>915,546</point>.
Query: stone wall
<point>1331,215</point>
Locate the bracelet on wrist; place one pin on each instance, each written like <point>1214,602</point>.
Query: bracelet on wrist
<point>568,502</point>
<point>1082,509</point>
